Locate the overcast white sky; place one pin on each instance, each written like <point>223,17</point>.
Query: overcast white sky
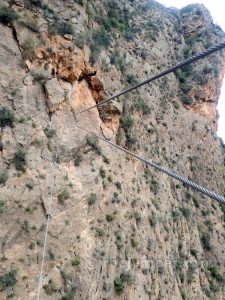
<point>217,9</point>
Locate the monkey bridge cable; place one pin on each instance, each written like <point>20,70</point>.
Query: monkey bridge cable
<point>169,172</point>
<point>172,69</point>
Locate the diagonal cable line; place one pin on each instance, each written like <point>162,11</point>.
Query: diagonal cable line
<point>186,62</point>
<point>169,172</point>
<point>49,216</point>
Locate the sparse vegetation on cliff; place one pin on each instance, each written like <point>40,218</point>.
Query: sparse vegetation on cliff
<point>20,161</point>
<point>8,280</point>
<point>121,281</point>
<point>115,223</point>
<point>63,196</point>
<point>30,22</point>
<point>61,28</point>
<point>28,47</point>
<point>7,15</point>
<point>6,117</point>
<point>4,177</point>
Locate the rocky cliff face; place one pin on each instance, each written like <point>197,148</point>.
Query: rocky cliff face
<point>118,230</point>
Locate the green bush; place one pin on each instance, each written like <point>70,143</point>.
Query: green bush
<point>131,79</point>
<point>119,282</point>
<point>176,105</point>
<point>115,198</point>
<point>92,199</point>
<point>215,274</point>
<point>75,261</point>
<point>20,161</point>
<point>175,215</point>
<point>7,15</point>
<point>110,217</point>
<point>48,12</point>
<point>94,54</point>
<point>127,122</point>
<point>185,87</point>
<point>39,76</point>
<point>8,280</point>
<point>28,49</point>
<point>80,2</point>
<point>90,11</point>
<point>102,172</point>
<point>126,277</point>
<point>100,39</point>
<point>140,105</point>
<point>118,285</point>
<point>65,28</point>
<point>38,143</point>
<point>130,141</point>
<point>191,271</point>
<point>118,60</point>
<point>99,232</point>
<point>153,219</point>
<point>78,159</point>
<point>6,117</point>
<point>193,252</point>
<point>29,22</point>
<point>70,294</point>
<point>200,77</point>
<point>2,206</point>
<point>104,65</point>
<point>50,288</point>
<point>62,196</point>
<point>188,195</point>
<point>4,177</point>
<point>187,52</point>
<point>117,18</point>
<point>207,69</point>
<point>216,71</point>
<point>186,212</point>
<point>29,185</point>
<point>61,28</point>
<point>105,159</point>
<point>110,178</point>
<point>183,294</point>
<point>209,225</point>
<point>186,100</point>
<point>154,185</point>
<point>184,73</point>
<point>118,185</point>
<point>129,35</point>
<point>80,40</point>
<point>222,207</point>
<point>205,239</point>
<point>38,3</point>
<point>111,22</point>
<point>93,142</point>
<point>134,242</point>
<point>49,132</point>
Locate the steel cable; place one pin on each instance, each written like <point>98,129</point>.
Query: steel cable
<point>186,62</point>
<point>171,173</point>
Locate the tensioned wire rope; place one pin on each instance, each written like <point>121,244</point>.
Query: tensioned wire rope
<point>158,167</point>
<point>194,58</point>
<point>172,69</point>
<point>49,215</point>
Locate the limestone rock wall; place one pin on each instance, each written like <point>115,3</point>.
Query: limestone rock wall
<point>118,229</point>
